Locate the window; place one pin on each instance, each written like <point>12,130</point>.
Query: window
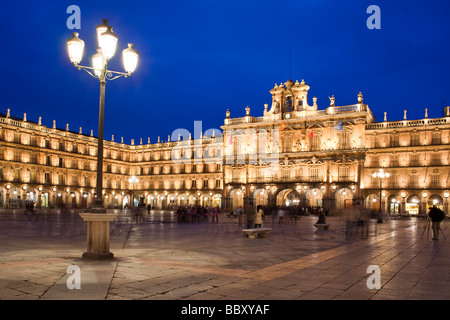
<point>60,179</point>
<point>414,139</point>
<point>393,180</point>
<point>344,173</point>
<point>218,184</point>
<point>374,161</point>
<point>16,175</point>
<point>434,180</point>
<point>344,140</point>
<point>436,159</point>
<point>394,161</point>
<point>47,178</point>
<point>298,173</point>
<point>287,144</point>
<point>374,182</point>
<point>259,175</point>
<point>33,177</point>
<point>436,138</point>
<point>314,173</point>
<point>194,183</point>
<point>315,143</point>
<point>205,184</point>
<point>285,174</point>
<point>414,181</point>
<point>414,159</point>
<point>394,140</point>
<point>289,103</point>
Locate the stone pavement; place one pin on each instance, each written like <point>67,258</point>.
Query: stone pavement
<point>160,259</point>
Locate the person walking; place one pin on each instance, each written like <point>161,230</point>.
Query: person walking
<point>240,215</point>
<point>280,214</point>
<point>215,214</point>
<point>436,215</point>
<point>259,216</point>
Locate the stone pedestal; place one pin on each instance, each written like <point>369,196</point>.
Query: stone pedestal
<point>98,226</point>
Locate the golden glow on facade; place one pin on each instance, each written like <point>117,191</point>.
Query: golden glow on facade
<point>294,154</point>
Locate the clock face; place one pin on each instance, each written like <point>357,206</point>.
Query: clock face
<point>287,116</point>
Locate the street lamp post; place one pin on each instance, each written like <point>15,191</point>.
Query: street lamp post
<point>380,174</point>
<point>107,42</point>
<point>424,202</point>
<point>132,181</point>
<point>446,195</point>
<point>98,221</point>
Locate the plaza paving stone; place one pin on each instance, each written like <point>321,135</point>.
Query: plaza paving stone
<point>159,258</point>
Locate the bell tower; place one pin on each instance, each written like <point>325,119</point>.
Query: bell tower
<point>290,97</point>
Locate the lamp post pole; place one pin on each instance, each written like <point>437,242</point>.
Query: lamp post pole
<point>381,192</point>
<point>380,174</point>
<point>446,195</point>
<point>98,204</point>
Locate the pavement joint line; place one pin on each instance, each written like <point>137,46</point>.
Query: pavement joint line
<point>30,263</point>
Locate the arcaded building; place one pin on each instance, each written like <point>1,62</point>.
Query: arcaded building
<point>294,154</point>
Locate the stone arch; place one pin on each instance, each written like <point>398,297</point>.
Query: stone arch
<point>435,200</point>
<point>372,202</point>
<point>394,203</point>
<point>261,197</point>
<point>344,198</point>
<point>236,198</point>
<point>314,197</point>
<point>412,205</point>
<point>288,197</point>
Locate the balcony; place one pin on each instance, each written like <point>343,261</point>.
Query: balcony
<point>347,178</point>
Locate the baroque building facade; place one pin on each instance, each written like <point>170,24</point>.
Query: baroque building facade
<point>294,154</point>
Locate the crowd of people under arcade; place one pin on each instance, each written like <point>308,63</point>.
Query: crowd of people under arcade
<point>192,213</point>
<point>198,213</point>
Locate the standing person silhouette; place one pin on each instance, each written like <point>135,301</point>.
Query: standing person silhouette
<point>436,215</point>
<point>259,216</point>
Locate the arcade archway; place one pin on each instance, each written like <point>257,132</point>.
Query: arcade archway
<point>237,198</point>
<point>288,197</point>
<point>344,198</point>
<point>314,197</point>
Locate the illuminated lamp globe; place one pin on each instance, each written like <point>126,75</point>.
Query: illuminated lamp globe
<point>130,58</point>
<point>98,62</point>
<point>108,42</point>
<point>75,46</point>
<point>101,28</point>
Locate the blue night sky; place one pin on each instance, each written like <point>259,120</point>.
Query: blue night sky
<point>200,58</point>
